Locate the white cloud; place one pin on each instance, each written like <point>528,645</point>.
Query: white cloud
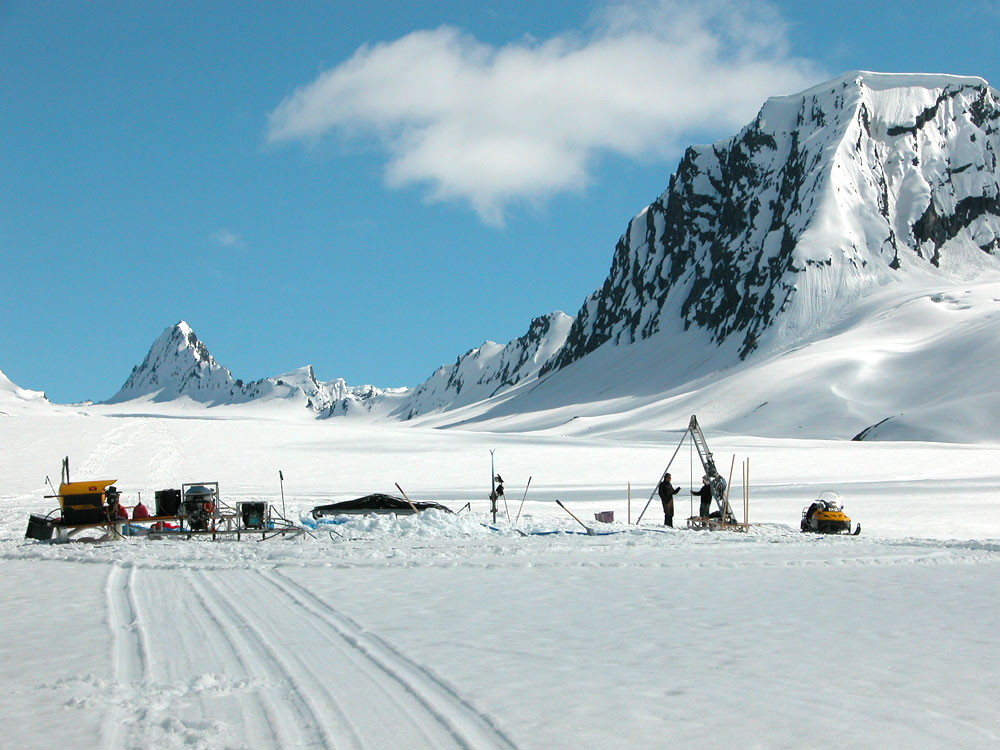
<point>492,125</point>
<point>225,238</point>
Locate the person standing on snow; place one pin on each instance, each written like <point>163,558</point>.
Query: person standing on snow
<point>667,492</point>
<point>705,493</point>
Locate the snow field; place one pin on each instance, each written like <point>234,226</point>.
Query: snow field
<point>635,639</point>
<point>439,631</point>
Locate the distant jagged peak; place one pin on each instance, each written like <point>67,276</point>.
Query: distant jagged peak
<point>182,337</point>
<point>179,364</point>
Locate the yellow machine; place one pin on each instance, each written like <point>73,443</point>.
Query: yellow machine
<point>86,502</point>
<point>825,515</point>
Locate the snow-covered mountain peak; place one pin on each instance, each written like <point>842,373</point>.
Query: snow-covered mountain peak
<point>179,364</point>
<point>762,239</point>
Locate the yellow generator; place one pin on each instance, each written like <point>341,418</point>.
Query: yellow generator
<point>825,515</point>
<point>87,502</point>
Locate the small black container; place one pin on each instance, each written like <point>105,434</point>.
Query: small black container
<point>253,515</point>
<point>39,527</point>
<point>167,502</point>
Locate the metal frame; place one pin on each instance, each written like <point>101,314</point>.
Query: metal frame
<point>720,487</point>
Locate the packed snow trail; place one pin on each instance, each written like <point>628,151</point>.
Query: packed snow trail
<point>247,656</point>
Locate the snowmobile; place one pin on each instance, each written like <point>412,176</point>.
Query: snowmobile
<point>825,515</point>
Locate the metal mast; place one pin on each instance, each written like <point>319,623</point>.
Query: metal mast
<point>715,480</point>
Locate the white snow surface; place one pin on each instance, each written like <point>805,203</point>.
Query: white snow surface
<point>438,630</point>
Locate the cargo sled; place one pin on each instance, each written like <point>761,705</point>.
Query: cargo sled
<point>825,515</point>
<point>94,507</point>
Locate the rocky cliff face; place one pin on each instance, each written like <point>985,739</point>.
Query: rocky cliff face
<point>760,239</point>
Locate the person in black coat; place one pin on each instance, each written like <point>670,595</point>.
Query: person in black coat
<point>667,492</point>
<point>705,493</point>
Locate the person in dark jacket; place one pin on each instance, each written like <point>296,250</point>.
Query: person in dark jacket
<point>667,492</point>
<point>705,493</point>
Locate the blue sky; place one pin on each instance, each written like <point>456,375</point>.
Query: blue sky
<point>371,188</point>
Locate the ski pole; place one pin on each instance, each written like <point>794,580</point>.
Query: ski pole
<point>522,500</point>
<point>281,478</point>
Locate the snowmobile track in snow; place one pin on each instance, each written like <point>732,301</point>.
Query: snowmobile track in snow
<point>130,658</point>
<point>243,654</point>
<point>300,717</point>
<point>469,726</point>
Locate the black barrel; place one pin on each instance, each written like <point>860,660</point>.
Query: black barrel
<point>39,527</point>
<point>167,502</point>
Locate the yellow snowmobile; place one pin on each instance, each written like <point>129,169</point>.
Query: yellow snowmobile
<point>825,515</point>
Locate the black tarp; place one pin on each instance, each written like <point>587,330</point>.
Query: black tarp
<point>376,503</point>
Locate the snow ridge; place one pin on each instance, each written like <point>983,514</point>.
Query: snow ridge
<point>489,369</point>
<point>9,391</point>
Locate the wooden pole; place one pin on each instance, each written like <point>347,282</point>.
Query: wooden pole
<point>746,507</point>
<point>630,503</point>
<point>590,531</point>
<point>407,498</point>
<point>691,480</point>
<point>729,484</point>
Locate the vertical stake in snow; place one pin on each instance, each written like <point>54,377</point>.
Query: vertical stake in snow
<point>629,490</point>
<point>724,507</point>
<point>746,499</point>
